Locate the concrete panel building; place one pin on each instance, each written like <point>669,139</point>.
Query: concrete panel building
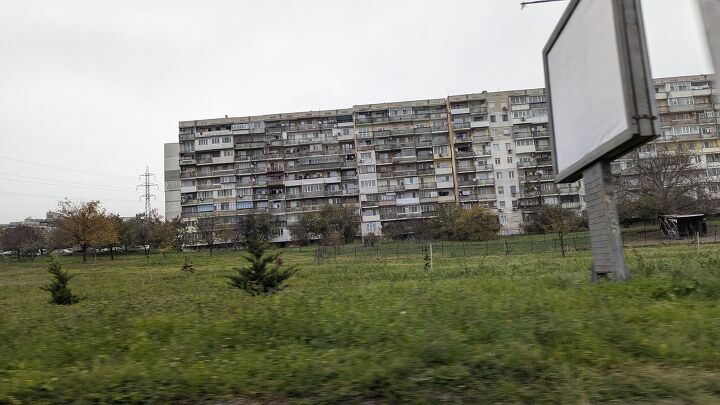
<point>399,161</point>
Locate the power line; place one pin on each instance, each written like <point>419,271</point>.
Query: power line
<point>15,194</point>
<point>64,168</point>
<point>62,183</point>
<point>60,147</point>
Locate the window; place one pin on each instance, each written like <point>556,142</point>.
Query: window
<point>501,190</point>
<point>368,183</point>
<point>509,159</point>
<point>505,117</point>
<point>498,175</point>
<point>508,146</point>
<point>346,131</point>
<point>521,114</point>
<point>366,169</point>
<point>679,86</point>
<point>681,101</point>
<point>225,193</point>
<point>202,141</point>
<point>682,130</point>
<point>511,174</point>
<point>372,226</point>
<point>497,161</point>
<point>228,153</point>
<point>227,139</point>
<point>493,118</point>
<point>243,205</point>
<point>698,159</point>
<point>206,208</point>
<point>365,156</point>
<point>215,141</point>
<point>513,190</point>
<point>502,204</point>
<point>496,147</point>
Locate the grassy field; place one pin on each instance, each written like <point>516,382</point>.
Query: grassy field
<point>524,328</point>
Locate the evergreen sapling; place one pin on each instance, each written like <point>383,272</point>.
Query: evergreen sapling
<point>60,293</point>
<point>264,274</point>
<point>188,267</point>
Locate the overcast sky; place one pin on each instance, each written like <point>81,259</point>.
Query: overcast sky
<point>90,90</point>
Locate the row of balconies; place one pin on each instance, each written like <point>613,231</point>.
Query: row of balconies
<point>535,163</point>
<point>474,168</point>
<point>399,118</point>
<point>476,197</point>
<point>478,182</point>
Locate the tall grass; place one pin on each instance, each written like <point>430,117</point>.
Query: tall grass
<point>478,328</point>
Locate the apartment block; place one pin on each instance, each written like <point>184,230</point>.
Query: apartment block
<point>400,161</point>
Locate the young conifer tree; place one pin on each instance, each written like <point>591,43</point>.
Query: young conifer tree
<point>60,293</point>
<point>264,273</point>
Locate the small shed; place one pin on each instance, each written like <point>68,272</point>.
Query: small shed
<point>676,226</point>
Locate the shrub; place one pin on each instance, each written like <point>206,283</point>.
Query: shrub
<point>59,291</point>
<point>187,267</point>
<point>265,272</point>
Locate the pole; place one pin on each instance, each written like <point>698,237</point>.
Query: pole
<point>605,237</point>
<point>710,10</point>
<point>431,257</point>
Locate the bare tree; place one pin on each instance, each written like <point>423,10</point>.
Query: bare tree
<point>556,219</point>
<point>666,179</point>
<point>22,239</point>
<point>206,230</point>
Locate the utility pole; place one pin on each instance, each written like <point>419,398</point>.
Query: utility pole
<point>526,3</point>
<point>147,185</point>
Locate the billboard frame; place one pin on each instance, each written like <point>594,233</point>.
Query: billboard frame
<point>641,111</point>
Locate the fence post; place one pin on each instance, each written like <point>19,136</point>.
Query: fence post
<point>531,246</point>
<point>377,251</point>
<point>442,249</point>
<point>574,243</point>
<point>464,249</point>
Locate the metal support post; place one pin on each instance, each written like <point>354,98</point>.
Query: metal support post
<point>605,238</point>
<point>710,10</point>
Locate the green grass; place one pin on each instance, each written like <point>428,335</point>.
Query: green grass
<point>513,329</point>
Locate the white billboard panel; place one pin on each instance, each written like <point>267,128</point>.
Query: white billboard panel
<point>587,85</point>
<point>598,84</point>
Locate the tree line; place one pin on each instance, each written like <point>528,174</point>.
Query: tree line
<point>88,227</point>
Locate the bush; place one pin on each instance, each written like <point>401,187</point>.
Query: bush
<point>59,291</point>
<point>187,267</point>
<point>265,273</point>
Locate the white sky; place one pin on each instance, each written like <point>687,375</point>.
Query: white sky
<point>99,86</point>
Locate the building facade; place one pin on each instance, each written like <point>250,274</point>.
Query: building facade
<point>400,161</point>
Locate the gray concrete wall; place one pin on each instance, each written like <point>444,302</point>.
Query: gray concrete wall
<point>172,180</point>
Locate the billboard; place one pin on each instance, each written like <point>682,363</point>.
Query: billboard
<point>600,95</point>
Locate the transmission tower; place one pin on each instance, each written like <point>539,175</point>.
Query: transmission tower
<point>147,185</point>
